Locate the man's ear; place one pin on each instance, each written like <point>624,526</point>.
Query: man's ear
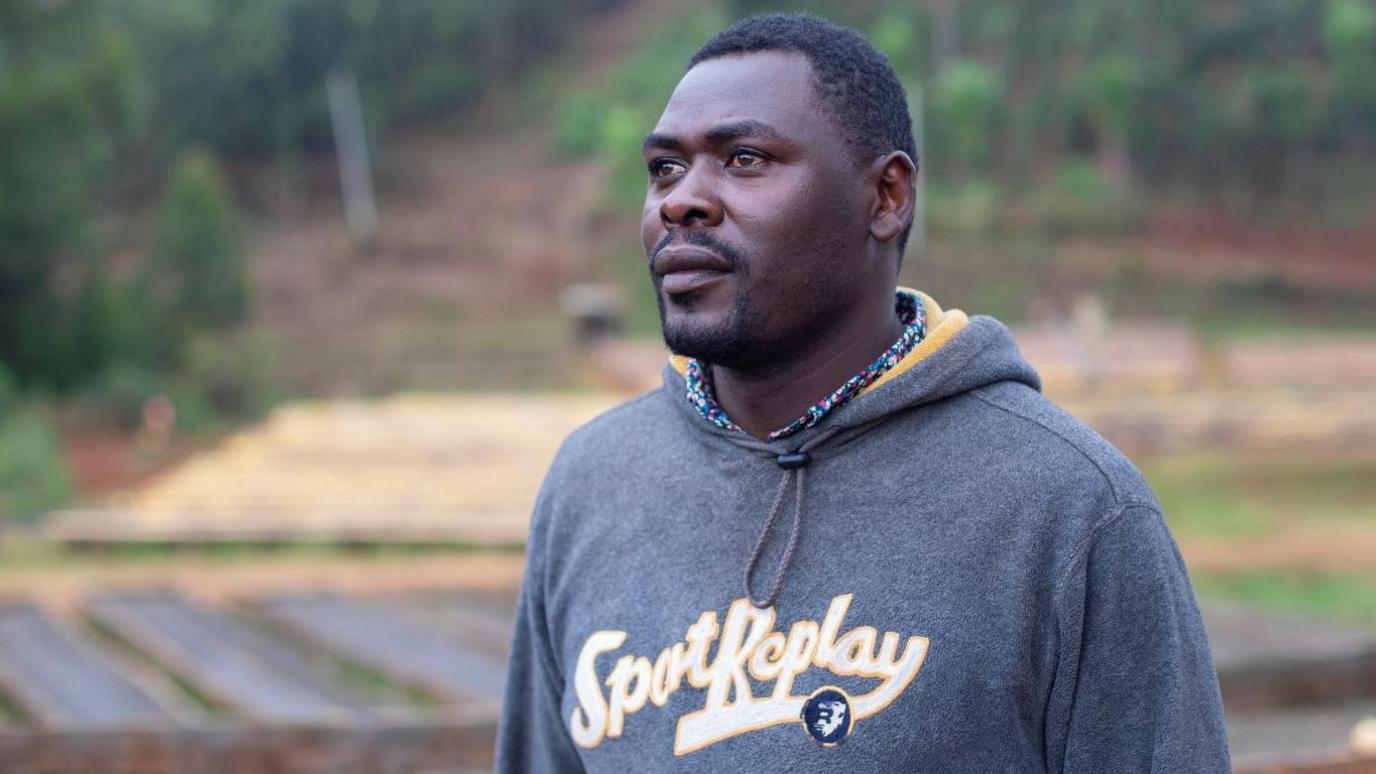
<point>895,195</point>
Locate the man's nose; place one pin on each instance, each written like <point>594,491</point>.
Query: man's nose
<point>692,199</point>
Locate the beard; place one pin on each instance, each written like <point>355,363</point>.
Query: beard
<point>731,342</point>
<point>738,342</point>
<point>744,337</point>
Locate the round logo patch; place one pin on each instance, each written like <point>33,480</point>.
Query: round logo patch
<point>827,716</point>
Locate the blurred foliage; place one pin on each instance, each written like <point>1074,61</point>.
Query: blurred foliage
<point>9,391</point>
<point>224,378</point>
<point>1247,497</point>
<point>610,118</point>
<point>1240,494</point>
<point>196,276</point>
<point>1046,118</point>
<point>1349,37</point>
<point>1076,111</point>
<point>138,91</point>
<point>1349,597</point>
<point>109,323</point>
<point>1078,199</point>
<point>246,76</point>
<point>578,129</point>
<point>69,95</point>
<point>965,107</point>
<point>33,474</point>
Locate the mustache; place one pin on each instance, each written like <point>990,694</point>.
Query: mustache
<point>701,239</point>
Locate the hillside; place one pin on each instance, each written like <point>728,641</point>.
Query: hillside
<point>481,227</point>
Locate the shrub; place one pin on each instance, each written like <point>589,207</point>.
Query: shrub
<point>964,113</point>
<point>9,391</point>
<point>578,127</point>
<point>197,273</point>
<point>225,377</point>
<point>107,323</point>
<point>1077,200</point>
<point>33,473</point>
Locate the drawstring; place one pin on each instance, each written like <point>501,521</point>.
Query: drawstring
<point>794,465</point>
<point>789,474</point>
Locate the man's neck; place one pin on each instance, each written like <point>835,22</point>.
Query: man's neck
<point>762,402</point>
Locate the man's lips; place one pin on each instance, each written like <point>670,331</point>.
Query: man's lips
<point>678,282</point>
<point>684,269</point>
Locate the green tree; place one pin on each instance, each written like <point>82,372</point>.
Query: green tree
<point>106,322</point>
<point>1285,115</point>
<point>896,36</point>
<point>1111,86</point>
<point>1349,36</point>
<point>246,77</point>
<point>33,473</point>
<point>964,113</point>
<point>196,270</point>
<point>70,93</point>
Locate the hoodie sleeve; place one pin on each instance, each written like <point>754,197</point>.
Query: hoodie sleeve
<point>531,736</point>
<point>1135,687</point>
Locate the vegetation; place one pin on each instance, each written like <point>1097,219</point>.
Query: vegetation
<point>85,82</point>
<point>1045,119</point>
<point>1063,119</point>
<point>1237,501</point>
<point>196,276</point>
<point>69,95</point>
<point>33,477</point>
<point>610,119</point>
<point>1214,495</point>
<point>246,76</point>
<point>1077,109</point>
<point>146,103</point>
<point>1060,115</point>
<point>1349,597</point>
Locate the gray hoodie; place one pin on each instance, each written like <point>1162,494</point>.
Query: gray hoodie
<point>980,583</point>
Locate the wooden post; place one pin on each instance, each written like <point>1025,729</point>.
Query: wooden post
<point>351,150</point>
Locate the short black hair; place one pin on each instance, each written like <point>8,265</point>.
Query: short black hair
<point>854,80</point>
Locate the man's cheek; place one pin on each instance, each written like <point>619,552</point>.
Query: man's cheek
<point>651,226</point>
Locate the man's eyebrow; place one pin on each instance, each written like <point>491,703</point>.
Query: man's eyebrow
<point>717,135</point>
<point>749,127</point>
<point>656,140</point>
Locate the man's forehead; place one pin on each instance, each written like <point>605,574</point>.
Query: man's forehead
<point>774,87</point>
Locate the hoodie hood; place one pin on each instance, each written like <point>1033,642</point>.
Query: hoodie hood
<point>958,354</point>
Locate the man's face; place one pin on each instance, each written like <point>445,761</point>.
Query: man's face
<point>755,203</point>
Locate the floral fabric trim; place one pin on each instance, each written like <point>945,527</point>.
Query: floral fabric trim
<point>910,312</point>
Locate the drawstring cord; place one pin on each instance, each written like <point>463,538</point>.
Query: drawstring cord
<point>789,474</point>
<point>794,465</point>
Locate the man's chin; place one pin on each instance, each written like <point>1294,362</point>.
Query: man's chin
<point>718,342</point>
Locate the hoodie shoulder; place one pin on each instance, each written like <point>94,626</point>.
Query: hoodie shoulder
<point>1050,425</point>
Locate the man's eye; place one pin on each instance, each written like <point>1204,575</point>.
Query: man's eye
<point>665,167</point>
<point>745,159</point>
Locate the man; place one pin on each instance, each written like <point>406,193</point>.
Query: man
<point>848,535</point>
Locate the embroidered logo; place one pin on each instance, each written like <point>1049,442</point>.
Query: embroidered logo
<point>827,717</point>
<point>747,646</point>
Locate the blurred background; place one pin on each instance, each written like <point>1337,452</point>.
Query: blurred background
<point>298,297</point>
